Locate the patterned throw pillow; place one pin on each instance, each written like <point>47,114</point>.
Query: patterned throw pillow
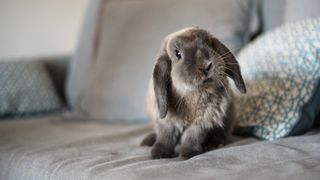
<point>281,70</point>
<point>26,88</point>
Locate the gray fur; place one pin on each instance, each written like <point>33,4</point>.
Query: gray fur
<point>189,98</point>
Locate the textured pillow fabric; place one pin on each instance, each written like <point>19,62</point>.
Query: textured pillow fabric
<point>129,39</point>
<point>25,89</point>
<point>282,72</point>
<point>308,113</point>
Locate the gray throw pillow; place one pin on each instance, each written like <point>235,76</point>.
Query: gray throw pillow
<point>129,37</point>
<point>25,89</point>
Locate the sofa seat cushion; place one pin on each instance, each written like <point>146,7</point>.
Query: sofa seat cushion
<point>52,148</point>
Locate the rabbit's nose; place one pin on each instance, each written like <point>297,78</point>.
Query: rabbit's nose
<point>206,69</point>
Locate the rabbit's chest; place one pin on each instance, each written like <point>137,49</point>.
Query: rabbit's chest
<point>200,108</point>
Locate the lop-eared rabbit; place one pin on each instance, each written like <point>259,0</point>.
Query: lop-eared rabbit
<point>189,98</point>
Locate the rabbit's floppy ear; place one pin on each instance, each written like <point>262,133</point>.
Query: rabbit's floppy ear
<point>232,65</point>
<point>161,81</point>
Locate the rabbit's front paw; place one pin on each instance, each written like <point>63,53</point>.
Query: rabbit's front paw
<point>189,152</point>
<point>159,151</point>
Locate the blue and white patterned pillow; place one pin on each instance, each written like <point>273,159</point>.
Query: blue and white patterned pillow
<point>281,70</point>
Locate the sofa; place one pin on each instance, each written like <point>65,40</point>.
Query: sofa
<point>97,132</point>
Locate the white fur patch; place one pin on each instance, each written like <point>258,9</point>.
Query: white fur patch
<point>181,87</point>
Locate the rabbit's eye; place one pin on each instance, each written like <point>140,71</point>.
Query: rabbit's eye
<point>178,54</point>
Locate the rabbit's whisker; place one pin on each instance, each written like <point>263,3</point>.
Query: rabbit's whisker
<point>230,52</point>
<point>221,83</point>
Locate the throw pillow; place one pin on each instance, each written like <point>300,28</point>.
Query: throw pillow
<point>282,71</point>
<point>25,89</point>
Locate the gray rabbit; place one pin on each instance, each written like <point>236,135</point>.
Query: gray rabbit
<point>189,98</point>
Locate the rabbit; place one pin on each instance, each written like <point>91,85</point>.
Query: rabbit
<point>189,98</point>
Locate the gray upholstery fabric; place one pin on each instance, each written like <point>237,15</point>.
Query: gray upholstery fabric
<point>130,36</point>
<point>50,148</point>
<point>78,74</point>
<point>272,13</point>
<point>299,10</point>
<point>277,12</point>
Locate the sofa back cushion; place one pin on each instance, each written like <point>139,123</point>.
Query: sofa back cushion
<point>278,12</point>
<point>128,36</point>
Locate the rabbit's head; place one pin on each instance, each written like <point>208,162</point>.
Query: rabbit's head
<point>192,59</point>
